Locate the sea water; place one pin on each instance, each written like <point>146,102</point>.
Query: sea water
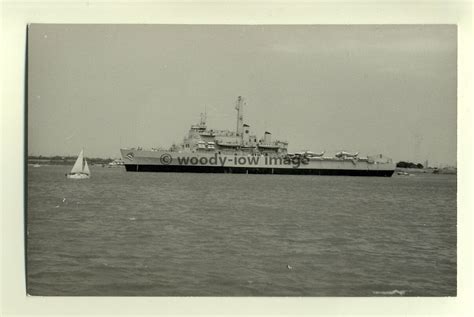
<point>181,234</point>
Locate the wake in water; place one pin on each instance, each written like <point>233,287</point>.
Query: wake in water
<point>394,292</point>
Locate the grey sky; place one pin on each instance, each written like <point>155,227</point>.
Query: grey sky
<point>372,89</point>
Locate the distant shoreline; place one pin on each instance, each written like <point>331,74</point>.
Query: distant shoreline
<point>65,160</point>
<point>430,170</point>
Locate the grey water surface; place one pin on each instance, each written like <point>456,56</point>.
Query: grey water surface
<point>171,234</point>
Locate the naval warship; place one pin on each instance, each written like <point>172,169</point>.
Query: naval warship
<point>206,150</point>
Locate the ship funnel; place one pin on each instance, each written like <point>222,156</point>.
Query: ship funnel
<point>267,138</point>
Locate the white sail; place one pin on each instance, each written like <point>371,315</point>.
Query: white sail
<point>77,168</point>
<point>86,168</point>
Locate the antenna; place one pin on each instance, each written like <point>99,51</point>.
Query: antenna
<point>203,118</point>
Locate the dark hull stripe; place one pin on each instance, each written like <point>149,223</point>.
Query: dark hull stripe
<point>254,170</point>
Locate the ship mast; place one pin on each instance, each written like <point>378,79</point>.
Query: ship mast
<point>240,116</point>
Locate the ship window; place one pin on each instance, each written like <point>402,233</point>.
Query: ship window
<point>246,131</point>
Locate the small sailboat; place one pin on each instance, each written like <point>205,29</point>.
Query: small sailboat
<point>37,164</point>
<point>80,170</point>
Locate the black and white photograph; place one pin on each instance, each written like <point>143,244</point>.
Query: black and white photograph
<point>241,160</point>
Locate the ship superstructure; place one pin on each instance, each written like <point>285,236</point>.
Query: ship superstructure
<point>202,140</point>
<point>240,151</point>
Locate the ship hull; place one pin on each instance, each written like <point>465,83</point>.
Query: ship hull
<point>173,162</point>
<point>255,170</point>
<point>77,176</point>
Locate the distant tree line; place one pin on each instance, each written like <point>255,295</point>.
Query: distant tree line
<point>403,164</point>
<point>57,159</point>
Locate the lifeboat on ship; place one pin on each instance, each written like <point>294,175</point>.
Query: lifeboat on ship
<point>268,146</point>
<point>227,144</point>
